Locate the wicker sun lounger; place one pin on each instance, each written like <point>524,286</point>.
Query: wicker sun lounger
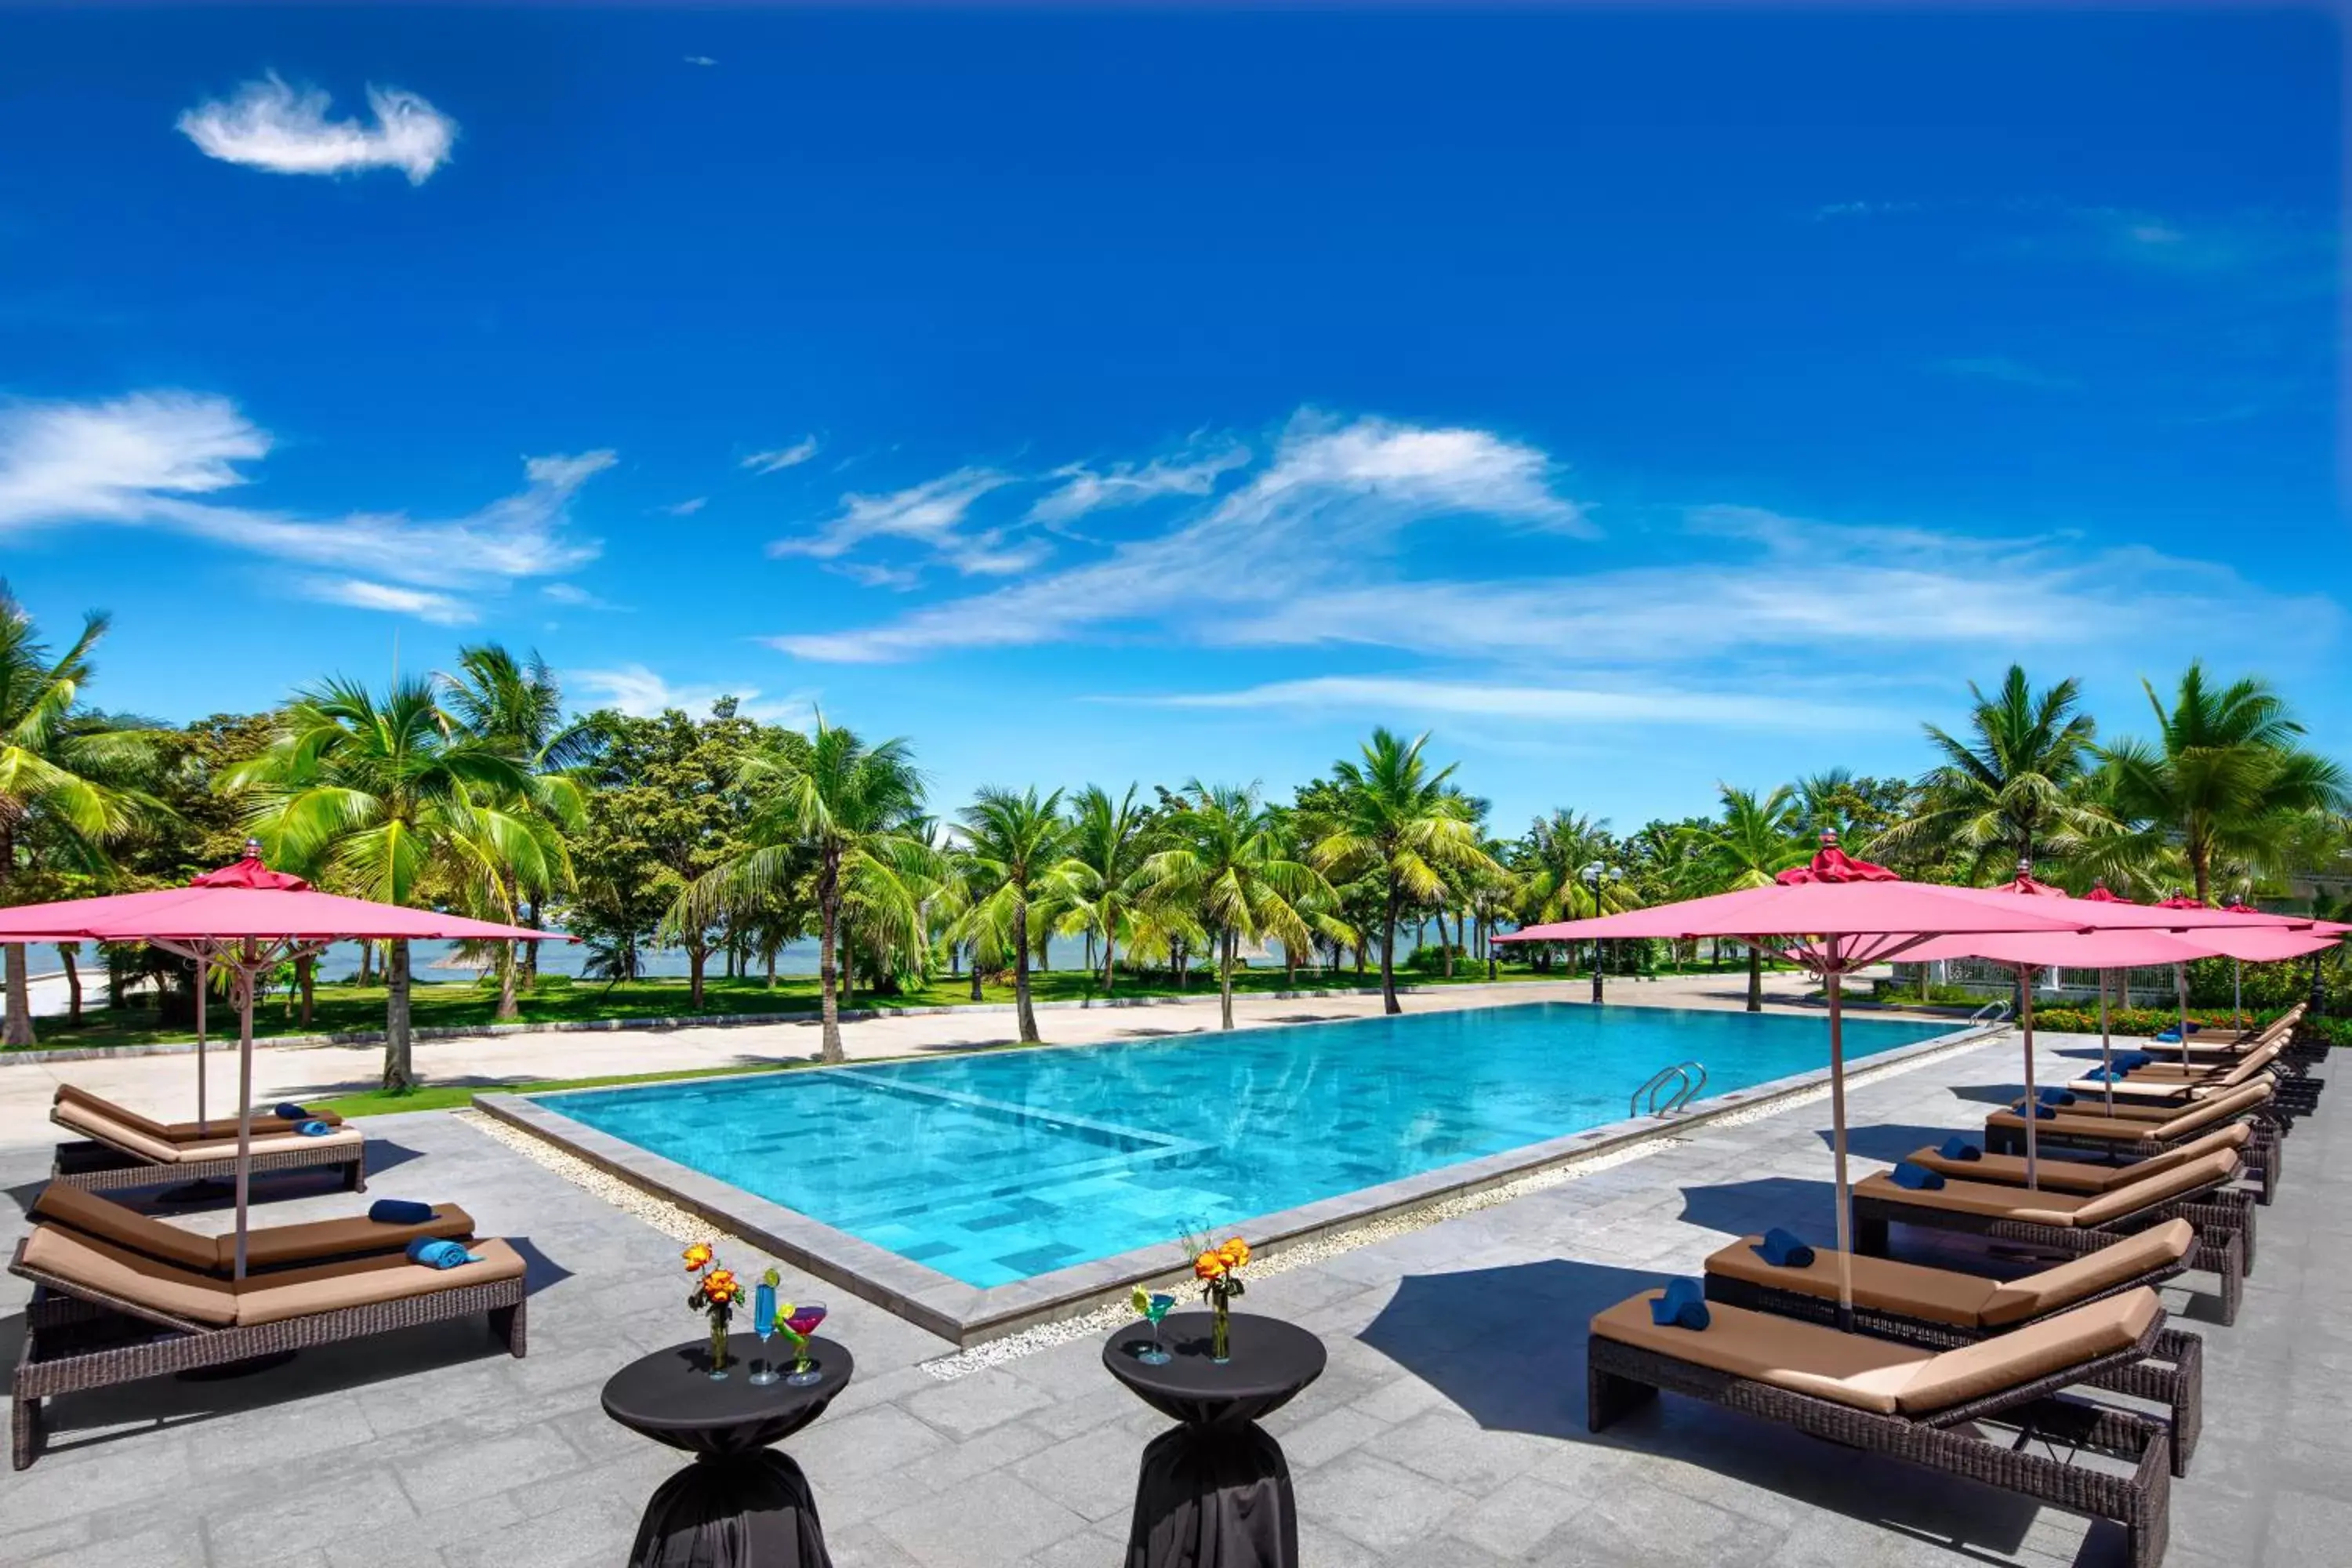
<point>2157,1082</point>
<point>1940,1309</point>
<point>2079,1126</point>
<point>1918,1404</point>
<point>2094,1177</point>
<point>267,1247</point>
<point>111,1155</point>
<point>265,1122</point>
<point>2072,1224</point>
<point>102,1316</point>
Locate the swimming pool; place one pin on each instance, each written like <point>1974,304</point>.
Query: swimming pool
<point>1001,1166</point>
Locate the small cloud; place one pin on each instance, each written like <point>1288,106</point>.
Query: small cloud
<point>638,691</point>
<point>872,574</point>
<point>2154,234</point>
<point>2001,368</point>
<point>931,514</point>
<point>1083,489</point>
<point>701,60</point>
<point>580,598</point>
<point>683,508</point>
<point>782,457</point>
<point>269,125</point>
<point>1862,209</point>
<point>441,609</point>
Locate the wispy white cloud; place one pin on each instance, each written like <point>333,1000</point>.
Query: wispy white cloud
<point>577,597</point>
<point>2001,368</point>
<point>270,125</point>
<point>1867,209</point>
<point>441,609</point>
<point>701,60</point>
<point>1084,489</point>
<point>685,508</point>
<point>1563,704</point>
<point>1334,499</point>
<point>933,514</point>
<point>782,457</point>
<point>638,692</point>
<point>164,459</point>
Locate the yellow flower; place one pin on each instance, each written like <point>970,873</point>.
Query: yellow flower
<point>698,1256</point>
<point>1236,1253</point>
<point>1209,1266</point>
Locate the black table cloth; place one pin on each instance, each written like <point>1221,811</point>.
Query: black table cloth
<point>739,1505</point>
<point>1215,1493</point>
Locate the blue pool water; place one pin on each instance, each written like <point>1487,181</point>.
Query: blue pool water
<point>991,1168</point>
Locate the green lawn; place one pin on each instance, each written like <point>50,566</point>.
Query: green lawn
<point>342,1008</point>
<point>458,1097</point>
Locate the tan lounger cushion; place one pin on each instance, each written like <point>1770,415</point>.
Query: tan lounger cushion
<point>1804,1358</point>
<point>285,1244</point>
<point>85,1118</point>
<point>2076,1175</point>
<point>1978,1198</point>
<point>2208,1170</point>
<point>366,1282</point>
<point>1878,1375</point>
<point>340,1138</point>
<point>111,1222</point>
<point>183,1132</point>
<point>2037,1295</point>
<point>2079,1123</point>
<point>1973,1372</point>
<point>1936,1295</point>
<point>141,1281</point>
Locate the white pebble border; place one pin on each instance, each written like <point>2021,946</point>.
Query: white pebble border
<point>673,1221</point>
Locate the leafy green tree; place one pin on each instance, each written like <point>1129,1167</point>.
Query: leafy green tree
<point>58,800</point>
<point>1108,843</point>
<point>1017,861</point>
<point>1757,840</point>
<point>385,798</point>
<point>2227,778</point>
<point>2016,790</point>
<point>1225,861</point>
<point>850,812</point>
<point>1394,818</point>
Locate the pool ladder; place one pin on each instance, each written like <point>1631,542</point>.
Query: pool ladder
<point>1668,1089</point>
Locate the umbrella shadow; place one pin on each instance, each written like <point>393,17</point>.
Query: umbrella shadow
<point>1754,1207</point>
<point>1892,1141</point>
<point>1506,1346</point>
<point>1991,1093</point>
<point>539,1270</point>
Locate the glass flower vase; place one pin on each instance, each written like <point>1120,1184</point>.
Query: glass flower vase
<point>1221,1331</point>
<point>717,1346</point>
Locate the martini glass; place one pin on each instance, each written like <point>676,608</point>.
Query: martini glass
<point>1155,1307</point>
<point>804,1321</point>
<point>763,1318</point>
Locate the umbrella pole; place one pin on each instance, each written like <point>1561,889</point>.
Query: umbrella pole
<point>243,1096</point>
<point>2033,1102</point>
<point>1831,979</point>
<point>2106,1049</point>
<point>2237,996</point>
<point>2181,995</point>
<point>203,973</point>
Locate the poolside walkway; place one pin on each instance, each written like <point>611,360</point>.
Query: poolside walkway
<point>1448,1431</point>
<point>165,1086</point>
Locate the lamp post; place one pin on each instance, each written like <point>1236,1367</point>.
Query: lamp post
<point>1592,874</point>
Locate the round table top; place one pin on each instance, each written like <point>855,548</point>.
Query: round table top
<point>1272,1362</point>
<point>671,1397</point>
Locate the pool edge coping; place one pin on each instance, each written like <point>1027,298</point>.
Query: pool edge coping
<point>965,1315</point>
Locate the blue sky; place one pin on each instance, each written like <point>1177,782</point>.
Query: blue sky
<point>1637,400</point>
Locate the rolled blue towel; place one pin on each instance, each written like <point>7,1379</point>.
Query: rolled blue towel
<point>435,1253</point>
<point>399,1211</point>
<point>1958,1148</point>
<point>314,1129</point>
<point>2042,1113</point>
<point>2169,1037</point>
<point>287,1110</point>
<point>1918,1178</point>
<point>1684,1306</point>
<point>2056,1096</point>
<point>2131,1061</point>
<point>1784,1249</point>
<point>2195,1028</point>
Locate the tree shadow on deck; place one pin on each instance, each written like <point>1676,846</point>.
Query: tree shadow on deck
<point>1892,1141</point>
<point>1506,1346</point>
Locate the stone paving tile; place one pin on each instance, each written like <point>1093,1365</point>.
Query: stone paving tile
<point>1373,1501</point>
<point>988,1520</point>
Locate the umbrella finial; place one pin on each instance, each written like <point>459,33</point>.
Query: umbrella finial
<point>1829,838</point>
<point>2025,865</point>
<point>253,848</point>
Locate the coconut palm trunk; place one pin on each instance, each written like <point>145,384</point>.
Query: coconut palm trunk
<point>1755,980</point>
<point>828,906</point>
<point>65,950</point>
<point>399,1075</point>
<point>1389,1003</point>
<point>1225,980</point>
<point>1023,1010</point>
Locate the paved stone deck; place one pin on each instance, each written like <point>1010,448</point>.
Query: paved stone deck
<point>1448,1431</point>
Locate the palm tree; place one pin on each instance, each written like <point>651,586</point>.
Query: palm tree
<point>519,708</point>
<point>389,799</point>
<point>1110,840</point>
<point>1755,842</point>
<point>855,810</point>
<point>2225,780</point>
<point>1227,862</point>
<point>59,776</point>
<point>1394,818</point>
<point>1017,854</point>
<point>2016,789</point>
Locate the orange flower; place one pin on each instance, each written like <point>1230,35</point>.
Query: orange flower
<point>698,1256</point>
<point>1210,1266</point>
<point>1236,1253</point>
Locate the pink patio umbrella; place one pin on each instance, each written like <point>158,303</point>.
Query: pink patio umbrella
<point>1837,915</point>
<point>244,919</point>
